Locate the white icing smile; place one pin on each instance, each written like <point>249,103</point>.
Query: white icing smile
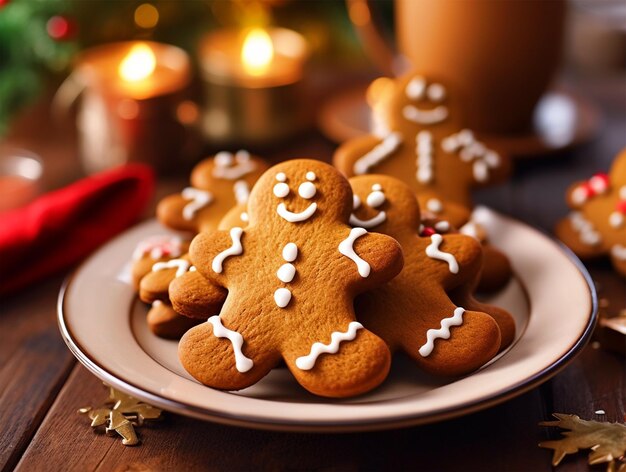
<point>306,190</point>
<point>425,117</point>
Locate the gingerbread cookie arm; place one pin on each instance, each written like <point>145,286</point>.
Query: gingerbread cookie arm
<point>154,285</point>
<point>361,155</point>
<point>372,258</point>
<point>172,214</point>
<point>195,297</point>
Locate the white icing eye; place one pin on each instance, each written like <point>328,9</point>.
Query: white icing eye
<point>434,205</point>
<point>376,199</point>
<point>356,202</point>
<point>436,92</point>
<point>307,190</point>
<point>281,177</point>
<point>377,188</point>
<point>311,176</point>
<point>223,159</point>
<point>415,88</point>
<point>242,156</point>
<point>281,190</point>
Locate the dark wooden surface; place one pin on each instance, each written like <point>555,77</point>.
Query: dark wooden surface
<point>42,386</point>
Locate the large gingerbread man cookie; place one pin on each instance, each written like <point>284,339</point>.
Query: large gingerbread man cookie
<point>430,312</point>
<point>217,184</point>
<point>597,225</point>
<point>291,276</point>
<point>421,139</point>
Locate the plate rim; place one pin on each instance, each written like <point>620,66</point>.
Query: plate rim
<point>354,425</point>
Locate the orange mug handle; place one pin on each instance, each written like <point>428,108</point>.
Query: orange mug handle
<point>380,51</point>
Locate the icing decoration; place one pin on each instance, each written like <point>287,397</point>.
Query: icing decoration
<point>156,303</point>
<point>281,177</point>
<point>308,362</point>
<point>617,218</point>
<point>372,222</point>
<point>199,199</point>
<point>587,233</point>
<point>296,217</point>
<point>281,190</point>
<point>224,168</point>
<point>442,226</point>
<point>192,269</point>
<point>244,216</point>
<point>158,247</point>
<point>425,117</point>
<point>376,198</point>
<point>346,247</point>
<point>242,192</point>
<point>598,184</point>
<point>415,88</point>
<point>290,252</point>
<point>307,190</point>
<point>235,250</point>
<point>619,252</point>
<point>441,333</point>
<point>424,151</point>
<point>181,266</point>
<point>434,205</point>
<point>356,201</point>
<point>242,363</point>
<point>470,229</point>
<point>471,150</point>
<point>433,251</point>
<point>282,297</point>
<point>311,176</point>
<point>379,153</point>
<point>436,92</point>
<point>286,272</point>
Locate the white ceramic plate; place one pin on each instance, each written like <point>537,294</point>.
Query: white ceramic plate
<point>555,309</point>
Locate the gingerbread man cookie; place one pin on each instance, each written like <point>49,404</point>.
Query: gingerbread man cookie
<point>217,184</point>
<point>291,276</point>
<point>597,226</point>
<point>430,312</point>
<point>420,139</point>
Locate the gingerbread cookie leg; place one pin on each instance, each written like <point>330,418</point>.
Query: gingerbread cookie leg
<point>164,322</point>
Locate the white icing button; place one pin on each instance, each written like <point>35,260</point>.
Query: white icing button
<point>311,176</point>
<point>307,190</point>
<point>290,252</point>
<point>442,226</point>
<point>622,193</point>
<point>356,202</point>
<point>376,199</point>
<point>286,272</point>
<point>434,205</point>
<point>281,177</point>
<point>377,188</point>
<point>281,190</point>
<point>282,297</point>
<point>244,217</point>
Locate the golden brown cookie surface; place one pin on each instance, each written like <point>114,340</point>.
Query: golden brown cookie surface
<point>420,317</point>
<point>420,139</point>
<point>597,225</point>
<point>291,277</point>
<point>217,184</point>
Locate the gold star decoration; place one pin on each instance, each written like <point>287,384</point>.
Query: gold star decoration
<point>121,414</point>
<point>607,441</point>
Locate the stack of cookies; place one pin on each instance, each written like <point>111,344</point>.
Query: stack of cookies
<point>298,264</point>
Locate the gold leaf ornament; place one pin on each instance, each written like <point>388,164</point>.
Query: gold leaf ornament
<point>121,415</point>
<point>607,441</point>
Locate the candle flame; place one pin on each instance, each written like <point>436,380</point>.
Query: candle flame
<point>257,52</point>
<point>138,64</point>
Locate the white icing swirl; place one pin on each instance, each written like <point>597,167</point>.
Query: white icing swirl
<point>181,266</point>
<point>346,247</point>
<point>378,154</point>
<point>242,363</point>
<point>441,333</point>
<point>199,199</point>
<point>235,250</point>
<point>434,252</point>
<point>308,362</point>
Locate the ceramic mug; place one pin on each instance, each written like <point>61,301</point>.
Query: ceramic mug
<point>500,55</point>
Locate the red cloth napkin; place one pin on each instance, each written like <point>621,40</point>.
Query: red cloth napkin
<point>62,227</point>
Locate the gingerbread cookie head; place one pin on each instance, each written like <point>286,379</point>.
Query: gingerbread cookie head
<point>597,224</point>
<point>420,138</point>
<point>411,101</point>
<point>154,249</point>
<point>291,276</point>
<point>439,276</point>
<point>217,184</point>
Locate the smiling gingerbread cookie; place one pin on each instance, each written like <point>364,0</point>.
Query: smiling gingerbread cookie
<point>430,312</point>
<point>217,184</point>
<point>291,276</point>
<point>597,225</point>
<point>420,139</point>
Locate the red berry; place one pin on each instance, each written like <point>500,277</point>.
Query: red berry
<point>60,27</point>
<point>428,231</point>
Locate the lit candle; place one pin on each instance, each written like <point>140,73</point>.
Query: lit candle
<point>133,94</point>
<point>253,80</point>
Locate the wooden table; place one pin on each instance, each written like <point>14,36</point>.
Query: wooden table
<point>42,386</point>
